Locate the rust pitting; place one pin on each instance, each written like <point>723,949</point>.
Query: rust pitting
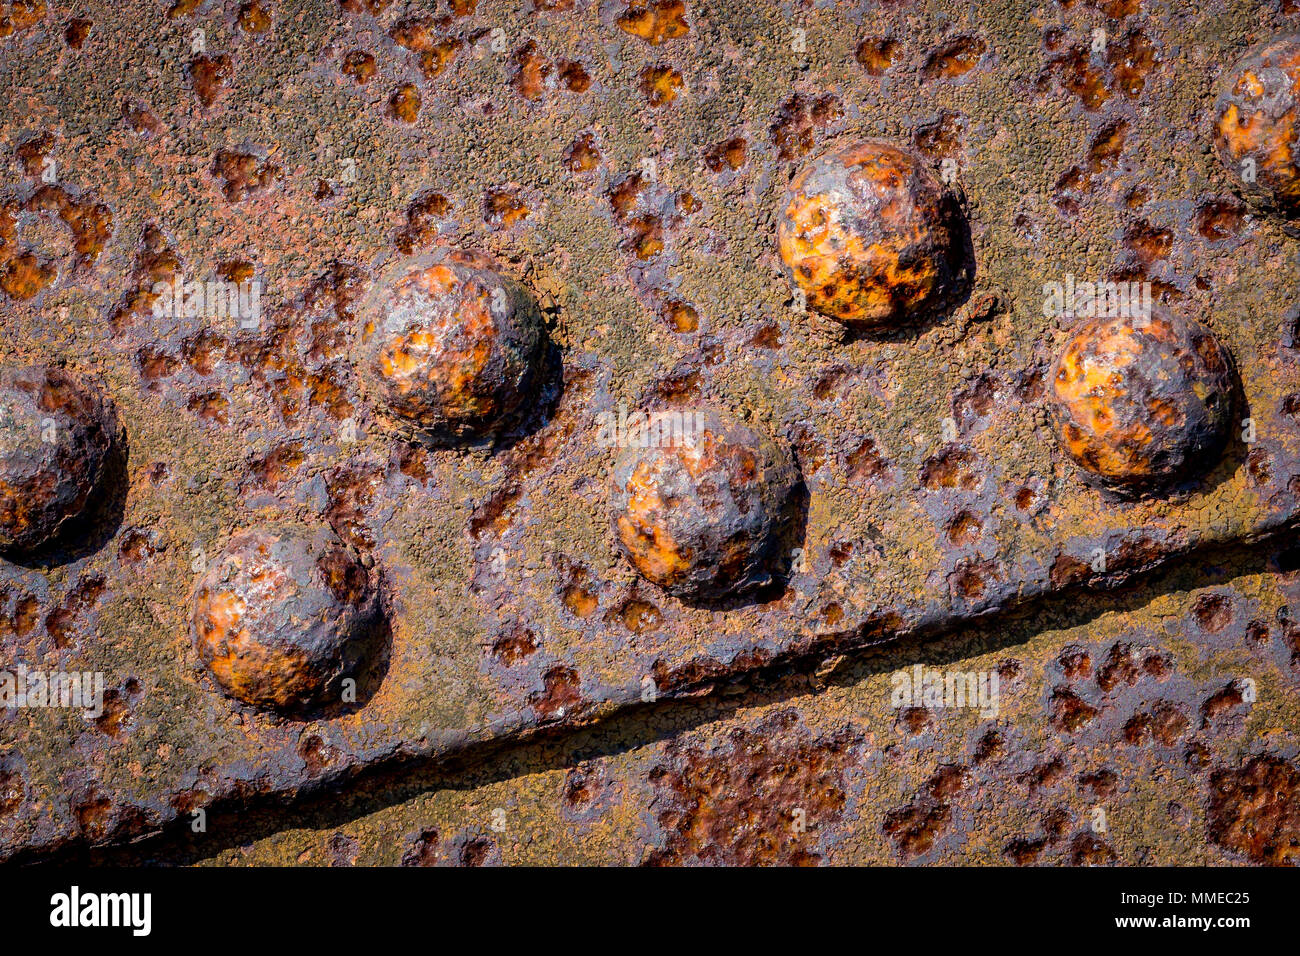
<point>1254,810</point>
<point>285,390</point>
<point>735,802</point>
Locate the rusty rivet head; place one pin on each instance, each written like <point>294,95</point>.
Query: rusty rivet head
<point>701,512</point>
<point>56,433</point>
<point>284,614</point>
<point>1142,403</point>
<point>452,350</point>
<point>867,235</point>
<point>1256,127</point>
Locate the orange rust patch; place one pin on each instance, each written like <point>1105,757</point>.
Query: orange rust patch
<point>423,218</point>
<point>729,154</point>
<point>21,15</point>
<point>531,71</point>
<point>955,58</point>
<point>23,276</point>
<point>682,316</point>
<point>210,75</point>
<point>404,104</point>
<point>794,131</point>
<point>655,21</point>
<point>583,155</point>
<point>503,207</point>
<point>876,54</point>
<point>659,84</point>
<point>253,18</point>
<point>243,174</point>
<point>359,65</point>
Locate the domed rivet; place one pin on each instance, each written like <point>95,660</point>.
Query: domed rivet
<point>867,237</point>
<point>452,352</point>
<point>284,615</point>
<point>702,516</point>
<point>56,435</point>
<point>1140,402</point>
<point>1255,126</point>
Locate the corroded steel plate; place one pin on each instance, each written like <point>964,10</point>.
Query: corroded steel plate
<point>627,164</point>
<point>1155,727</point>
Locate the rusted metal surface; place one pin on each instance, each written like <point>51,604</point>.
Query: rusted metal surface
<point>1156,726</point>
<point>615,160</point>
